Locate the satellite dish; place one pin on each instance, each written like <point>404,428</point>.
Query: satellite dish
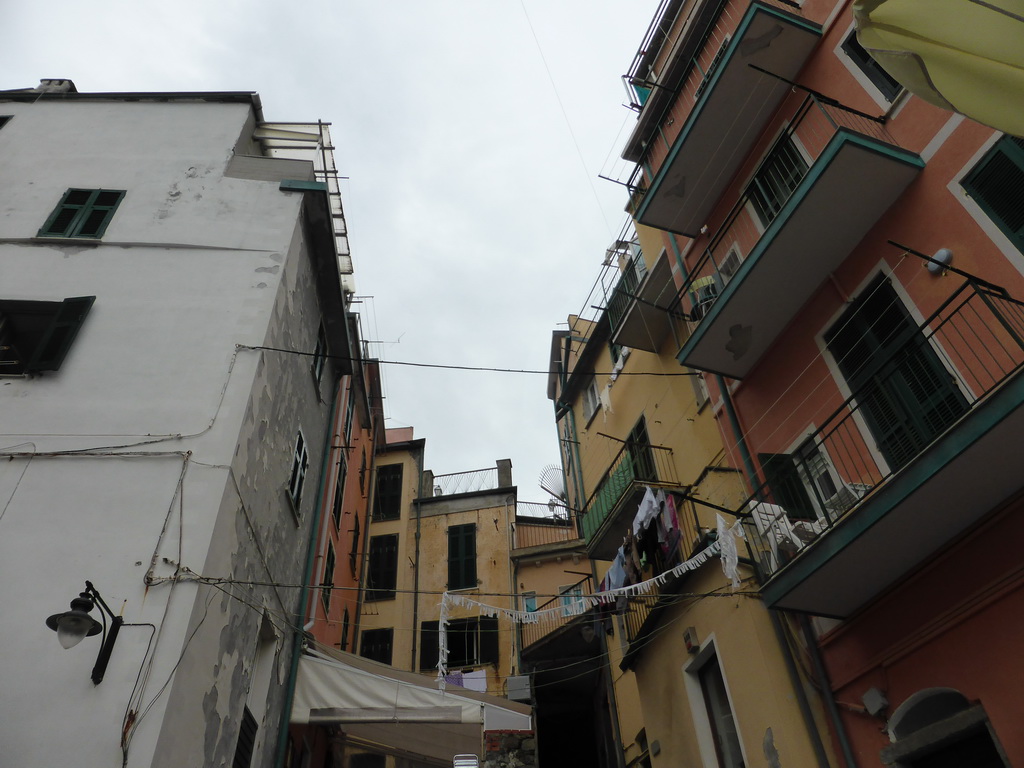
<point>552,481</point>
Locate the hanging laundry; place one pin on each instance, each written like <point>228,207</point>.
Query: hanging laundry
<point>648,510</point>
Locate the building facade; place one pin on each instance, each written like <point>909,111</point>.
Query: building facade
<point>173,328</point>
<point>846,270</point>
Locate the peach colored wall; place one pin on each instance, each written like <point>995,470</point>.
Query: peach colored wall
<point>957,622</point>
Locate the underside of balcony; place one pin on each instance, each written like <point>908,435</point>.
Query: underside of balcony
<point>854,180</point>
<point>730,107</point>
<point>645,322</point>
<point>929,504</point>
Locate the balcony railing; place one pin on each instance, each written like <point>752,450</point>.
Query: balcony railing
<point>531,530</point>
<point>634,464</point>
<point>533,633</point>
<point>625,290</point>
<point>885,424</point>
<point>775,180</point>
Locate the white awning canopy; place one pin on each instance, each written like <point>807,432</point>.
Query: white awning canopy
<point>398,712</point>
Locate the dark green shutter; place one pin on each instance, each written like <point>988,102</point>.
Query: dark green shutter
<point>489,640</point>
<point>787,488</point>
<point>82,213</point>
<point>462,556</point>
<point>429,647</point>
<point>387,503</point>
<point>55,342</point>
<point>246,740</point>
<point>906,395</point>
<point>997,185</point>
<point>383,568</point>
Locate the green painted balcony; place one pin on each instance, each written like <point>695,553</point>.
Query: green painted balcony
<point>609,511</point>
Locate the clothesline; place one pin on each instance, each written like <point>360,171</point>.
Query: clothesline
<point>577,605</point>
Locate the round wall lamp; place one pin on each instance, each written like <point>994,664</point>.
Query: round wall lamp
<point>75,625</point>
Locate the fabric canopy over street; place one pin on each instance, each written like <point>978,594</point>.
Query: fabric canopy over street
<point>962,55</point>
<point>398,712</point>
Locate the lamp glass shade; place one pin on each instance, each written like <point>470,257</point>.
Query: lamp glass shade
<point>74,626</point>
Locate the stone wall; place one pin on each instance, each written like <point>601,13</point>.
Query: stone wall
<point>510,749</point>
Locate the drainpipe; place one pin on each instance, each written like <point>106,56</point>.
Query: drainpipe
<point>826,691</point>
<point>798,688</point>
<point>730,410</point>
<point>298,635</point>
<point>371,497</point>
<point>416,564</point>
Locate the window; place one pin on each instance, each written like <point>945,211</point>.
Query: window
<point>591,399</point>
<point>387,502</point>
<point>571,596</point>
<point>327,583</point>
<point>997,184</point>
<point>730,266</point>
<point>711,67</point>
<point>375,645</point>
<point>462,556</point>
<point>471,642</point>
<point>300,463</point>
<point>246,740</point>
<point>82,213</point>
<point>345,621</point>
<point>719,714</point>
<point>700,388</point>
<point>353,555</point>
<point>4,119</point>
<point>36,335</point>
<point>319,355</point>
<point>367,760</point>
<point>641,458</point>
<point>383,568</point>
<point>775,179</point>
<point>529,601</point>
<point>888,85</point>
<point>339,492</point>
<point>907,396</point>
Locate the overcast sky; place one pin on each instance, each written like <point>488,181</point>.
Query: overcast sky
<point>473,133</point>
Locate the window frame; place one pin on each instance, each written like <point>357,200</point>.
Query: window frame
<point>591,399</point>
<point>319,362</point>
<point>300,465</point>
<point>768,200</point>
<point>478,636</point>
<point>81,214</point>
<point>1009,149</point>
<point>708,729</point>
<point>887,86</point>
<point>387,496</point>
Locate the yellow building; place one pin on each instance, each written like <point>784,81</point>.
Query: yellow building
<point>430,534</point>
<point>651,488</point>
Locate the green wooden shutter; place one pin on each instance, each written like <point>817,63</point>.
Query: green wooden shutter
<point>246,740</point>
<point>55,342</point>
<point>462,556</point>
<point>489,640</point>
<point>787,489</point>
<point>429,647</point>
<point>906,395</point>
<point>387,504</point>
<point>997,185</point>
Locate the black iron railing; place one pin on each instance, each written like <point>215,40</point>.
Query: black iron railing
<point>570,598</point>
<point>924,387</point>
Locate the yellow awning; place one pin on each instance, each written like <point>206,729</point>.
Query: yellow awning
<point>961,55</point>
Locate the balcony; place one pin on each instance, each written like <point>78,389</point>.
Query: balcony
<point>898,471</point>
<point>542,526</point>
<point>639,306</point>
<point>609,511</point>
<point>561,637</point>
<point>721,102</point>
<point>817,193</point>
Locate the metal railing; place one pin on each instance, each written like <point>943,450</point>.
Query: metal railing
<point>639,607</point>
<point>532,633</point>
<point>815,123</point>
<point>699,70</point>
<point>635,463</point>
<point>975,338</point>
<point>624,293</point>
<point>534,531</point>
<point>465,482</point>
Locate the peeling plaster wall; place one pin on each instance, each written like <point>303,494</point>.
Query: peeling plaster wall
<point>192,265</point>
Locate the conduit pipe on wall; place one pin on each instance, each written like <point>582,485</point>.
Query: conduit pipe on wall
<point>298,635</point>
<point>826,692</point>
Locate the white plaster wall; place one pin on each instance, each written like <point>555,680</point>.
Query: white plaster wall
<point>191,265</point>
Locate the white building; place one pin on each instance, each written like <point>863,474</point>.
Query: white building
<point>156,257</point>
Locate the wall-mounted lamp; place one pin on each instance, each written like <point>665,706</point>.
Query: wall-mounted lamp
<point>75,625</point>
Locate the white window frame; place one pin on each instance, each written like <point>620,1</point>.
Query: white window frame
<point>591,399</point>
<point>300,465</point>
<point>698,708</point>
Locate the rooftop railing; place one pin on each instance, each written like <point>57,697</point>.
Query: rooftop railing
<point>465,482</point>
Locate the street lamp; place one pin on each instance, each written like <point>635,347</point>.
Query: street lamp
<point>75,625</point>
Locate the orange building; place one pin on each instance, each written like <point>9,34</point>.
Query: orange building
<point>843,263</point>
